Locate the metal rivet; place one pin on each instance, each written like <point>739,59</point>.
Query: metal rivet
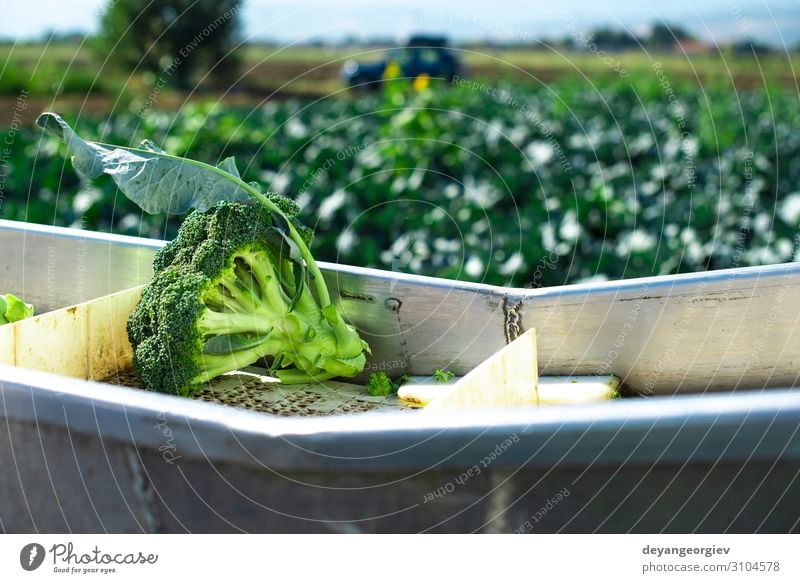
<point>393,304</point>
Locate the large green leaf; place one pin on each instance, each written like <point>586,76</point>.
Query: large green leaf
<point>153,179</point>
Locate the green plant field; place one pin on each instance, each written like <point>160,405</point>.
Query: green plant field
<point>68,68</point>
<point>503,183</point>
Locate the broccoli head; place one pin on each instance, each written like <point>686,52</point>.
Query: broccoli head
<point>230,289</point>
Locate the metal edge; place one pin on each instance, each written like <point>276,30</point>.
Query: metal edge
<point>659,283</point>
<point>397,277</point>
<point>69,233</point>
<point>618,286</point>
<point>331,268</point>
<point>710,428</point>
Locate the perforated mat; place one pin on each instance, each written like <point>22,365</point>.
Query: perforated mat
<point>252,389</point>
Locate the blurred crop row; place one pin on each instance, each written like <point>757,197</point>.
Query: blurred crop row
<point>504,184</point>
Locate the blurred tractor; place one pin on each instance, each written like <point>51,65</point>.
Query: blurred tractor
<point>427,56</point>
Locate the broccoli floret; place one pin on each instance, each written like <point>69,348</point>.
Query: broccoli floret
<point>380,385</point>
<point>229,224</point>
<point>443,376</point>
<point>13,309</point>
<point>229,290</point>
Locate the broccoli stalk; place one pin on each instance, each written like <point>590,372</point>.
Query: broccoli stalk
<point>231,289</point>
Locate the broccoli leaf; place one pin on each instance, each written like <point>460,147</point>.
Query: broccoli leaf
<point>162,183</point>
<point>13,309</point>
<point>153,179</point>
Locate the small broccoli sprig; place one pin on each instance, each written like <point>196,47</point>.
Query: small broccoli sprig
<point>230,290</point>
<point>380,385</point>
<point>13,309</point>
<point>443,376</point>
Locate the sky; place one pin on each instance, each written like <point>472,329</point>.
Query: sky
<point>775,22</point>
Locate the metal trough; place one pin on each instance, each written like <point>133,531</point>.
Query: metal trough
<point>715,448</point>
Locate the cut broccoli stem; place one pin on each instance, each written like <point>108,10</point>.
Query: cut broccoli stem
<point>296,377</point>
<point>350,343</point>
<point>246,279</point>
<point>240,296</point>
<point>270,289</point>
<point>213,365</point>
<point>264,273</point>
<point>219,323</point>
<point>306,303</point>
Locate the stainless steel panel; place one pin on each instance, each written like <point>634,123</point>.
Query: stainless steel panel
<point>416,325</point>
<point>723,330</point>
<point>747,426</point>
<point>706,463</point>
<point>53,267</point>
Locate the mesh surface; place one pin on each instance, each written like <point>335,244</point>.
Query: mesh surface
<point>252,389</point>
